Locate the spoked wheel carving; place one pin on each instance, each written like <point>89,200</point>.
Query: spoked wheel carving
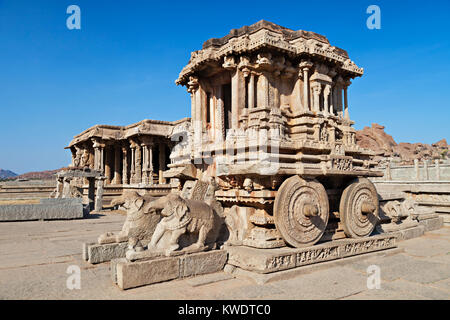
<point>301,211</point>
<point>359,208</point>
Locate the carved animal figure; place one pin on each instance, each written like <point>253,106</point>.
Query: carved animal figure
<point>184,216</point>
<point>140,223</point>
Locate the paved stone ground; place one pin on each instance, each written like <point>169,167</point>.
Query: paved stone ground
<point>34,257</point>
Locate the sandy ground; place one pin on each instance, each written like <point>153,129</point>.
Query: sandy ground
<point>35,257</point>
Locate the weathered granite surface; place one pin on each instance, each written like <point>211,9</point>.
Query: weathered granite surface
<point>97,253</point>
<point>140,273</point>
<point>47,209</point>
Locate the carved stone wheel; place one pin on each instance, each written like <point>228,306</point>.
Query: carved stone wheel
<point>359,208</point>
<point>301,211</point>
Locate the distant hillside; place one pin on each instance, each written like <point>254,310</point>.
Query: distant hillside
<point>5,174</point>
<point>41,175</point>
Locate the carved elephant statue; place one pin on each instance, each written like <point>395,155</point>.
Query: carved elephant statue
<point>140,223</point>
<point>185,217</point>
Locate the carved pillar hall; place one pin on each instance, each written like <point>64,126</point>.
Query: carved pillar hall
<point>162,163</point>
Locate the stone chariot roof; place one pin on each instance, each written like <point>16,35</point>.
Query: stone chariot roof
<point>267,35</point>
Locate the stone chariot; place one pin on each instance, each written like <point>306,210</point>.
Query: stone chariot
<point>271,126</point>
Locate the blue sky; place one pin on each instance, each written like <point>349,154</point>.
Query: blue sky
<point>121,66</point>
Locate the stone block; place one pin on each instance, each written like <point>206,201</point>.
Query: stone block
<point>98,253</point>
<point>266,261</point>
<point>141,273</point>
<point>47,209</point>
<point>410,233</point>
<point>128,274</point>
<point>432,224</point>
<point>203,263</point>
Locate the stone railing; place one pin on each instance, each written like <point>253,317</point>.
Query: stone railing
<point>421,171</point>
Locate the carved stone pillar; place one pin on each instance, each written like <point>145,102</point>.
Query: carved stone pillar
<point>99,147</point>
<point>219,122</point>
<point>251,91</point>
<point>162,163</point>
<point>305,66</point>
<point>147,168</point>
<point>235,98</point>
<point>388,175</point>
<point>192,88</point>
<point>438,169</point>
<point>108,158</point>
<point>326,95</point>
<point>416,169</point>
<point>138,164</point>
<point>317,89</point>
<point>117,172</point>
<point>263,91</point>
<point>346,113</point>
<point>99,193</point>
<point>136,168</point>
<point>339,86</point>
<point>124,165</point>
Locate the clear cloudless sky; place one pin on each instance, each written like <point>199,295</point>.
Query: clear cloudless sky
<point>121,66</point>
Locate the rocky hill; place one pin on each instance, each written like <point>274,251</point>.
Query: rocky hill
<point>385,147</point>
<point>6,174</point>
<point>39,175</point>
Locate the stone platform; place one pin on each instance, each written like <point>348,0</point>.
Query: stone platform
<point>272,260</point>
<point>46,209</point>
<point>140,273</point>
<point>97,253</point>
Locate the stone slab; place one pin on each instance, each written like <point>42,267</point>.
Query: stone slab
<point>47,209</point>
<point>432,224</point>
<point>97,253</point>
<point>410,233</point>
<point>272,260</point>
<point>140,273</point>
<point>202,263</point>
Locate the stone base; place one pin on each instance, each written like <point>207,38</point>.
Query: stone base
<point>46,209</point>
<point>140,273</point>
<point>263,278</point>
<point>272,260</point>
<point>97,253</point>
